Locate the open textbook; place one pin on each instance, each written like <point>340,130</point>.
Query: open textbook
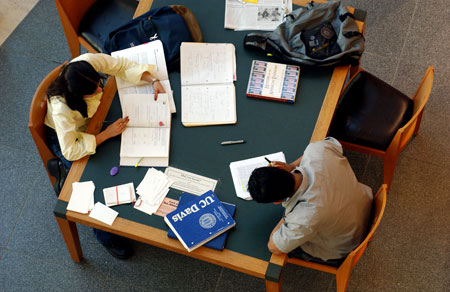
<point>146,140</point>
<point>241,171</point>
<point>262,15</point>
<point>207,91</point>
<point>148,53</point>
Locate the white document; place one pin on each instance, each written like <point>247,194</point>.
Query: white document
<point>207,91</point>
<point>103,213</point>
<point>148,53</point>
<point>148,131</point>
<point>190,182</point>
<point>241,171</point>
<point>263,15</point>
<point>82,198</point>
<point>121,194</point>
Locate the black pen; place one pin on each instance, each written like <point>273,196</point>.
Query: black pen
<point>270,162</point>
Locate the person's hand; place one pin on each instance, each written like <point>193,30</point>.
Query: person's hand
<point>117,127</point>
<point>157,88</point>
<point>283,165</point>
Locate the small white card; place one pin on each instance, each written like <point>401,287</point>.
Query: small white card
<point>103,213</point>
<point>190,182</point>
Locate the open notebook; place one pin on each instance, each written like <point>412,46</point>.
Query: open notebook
<point>207,91</point>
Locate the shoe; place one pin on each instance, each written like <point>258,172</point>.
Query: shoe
<point>56,169</point>
<point>118,247</point>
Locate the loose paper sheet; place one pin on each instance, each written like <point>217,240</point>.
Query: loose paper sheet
<point>263,15</point>
<point>103,213</point>
<point>189,182</point>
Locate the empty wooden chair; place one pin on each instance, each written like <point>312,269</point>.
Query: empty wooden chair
<point>375,118</point>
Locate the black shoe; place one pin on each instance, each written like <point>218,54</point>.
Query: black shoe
<point>56,169</point>
<point>118,247</point>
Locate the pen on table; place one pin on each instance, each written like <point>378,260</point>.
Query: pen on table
<point>137,163</point>
<point>232,142</point>
<point>270,162</point>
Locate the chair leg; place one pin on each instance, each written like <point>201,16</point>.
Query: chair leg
<point>342,279</point>
<point>389,168</point>
<point>419,120</point>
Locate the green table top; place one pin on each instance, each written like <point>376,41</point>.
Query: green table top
<point>266,126</point>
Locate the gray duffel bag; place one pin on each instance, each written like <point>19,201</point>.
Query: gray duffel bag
<point>321,34</point>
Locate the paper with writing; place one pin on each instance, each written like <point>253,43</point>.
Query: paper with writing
<point>189,182</point>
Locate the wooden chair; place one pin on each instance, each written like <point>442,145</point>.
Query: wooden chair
<point>374,118</point>
<point>88,22</point>
<point>36,125</point>
<point>344,271</point>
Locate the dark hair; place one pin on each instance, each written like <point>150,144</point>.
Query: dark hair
<point>270,184</point>
<point>76,80</point>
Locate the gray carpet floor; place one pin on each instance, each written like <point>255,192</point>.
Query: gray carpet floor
<point>410,251</point>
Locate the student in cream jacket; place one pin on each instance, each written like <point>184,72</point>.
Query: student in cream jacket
<point>73,98</point>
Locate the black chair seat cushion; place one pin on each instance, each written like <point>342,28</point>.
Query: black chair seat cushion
<point>370,112</point>
<point>103,17</point>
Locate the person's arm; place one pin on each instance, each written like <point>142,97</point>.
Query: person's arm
<point>157,87</point>
<point>271,245</point>
<point>123,68</point>
<point>288,167</point>
<point>112,130</point>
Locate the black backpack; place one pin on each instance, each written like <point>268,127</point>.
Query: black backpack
<point>171,24</point>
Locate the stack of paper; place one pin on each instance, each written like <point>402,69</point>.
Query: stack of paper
<point>122,194</point>
<point>82,198</point>
<point>152,190</point>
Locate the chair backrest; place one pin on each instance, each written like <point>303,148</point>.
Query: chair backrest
<point>71,12</point>
<point>378,205</point>
<point>38,110</point>
<point>420,98</point>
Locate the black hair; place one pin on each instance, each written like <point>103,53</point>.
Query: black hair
<point>270,184</point>
<point>76,80</point>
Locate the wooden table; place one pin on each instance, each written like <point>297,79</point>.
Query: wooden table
<point>270,270</point>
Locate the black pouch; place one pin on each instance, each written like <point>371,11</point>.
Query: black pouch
<point>321,42</point>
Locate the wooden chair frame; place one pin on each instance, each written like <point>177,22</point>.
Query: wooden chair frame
<point>38,110</point>
<point>345,269</point>
<point>71,13</point>
<point>404,134</point>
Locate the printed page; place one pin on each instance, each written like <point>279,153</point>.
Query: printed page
<point>241,171</point>
<point>264,15</point>
<point>210,105</point>
<point>190,182</point>
<point>148,90</point>
<point>144,111</point>
<point>148,53</point>
<point>207,63</point>
<point>145,142</point>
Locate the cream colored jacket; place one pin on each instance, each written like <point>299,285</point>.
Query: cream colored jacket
<point>70,125</point>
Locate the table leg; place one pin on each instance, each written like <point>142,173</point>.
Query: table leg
<point>70,234</point>
<point>273,286</point>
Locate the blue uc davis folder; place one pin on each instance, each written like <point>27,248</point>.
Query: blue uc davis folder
<point>216,243</point>
<point>199,220</point>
